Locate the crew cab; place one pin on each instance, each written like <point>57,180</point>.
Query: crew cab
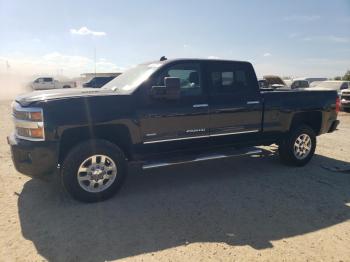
<point>47,83</point>
<point>163,113</point>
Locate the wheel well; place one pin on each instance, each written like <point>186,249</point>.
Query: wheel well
<point>312,119</point>
<point>116,134</point>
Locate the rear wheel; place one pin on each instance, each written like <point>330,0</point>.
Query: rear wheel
<point>298,147</point>
<point>94,171</point>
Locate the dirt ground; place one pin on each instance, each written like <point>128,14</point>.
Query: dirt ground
<point>241,209</point>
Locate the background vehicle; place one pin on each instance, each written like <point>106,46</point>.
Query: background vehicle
<point>98,82</point>
<point>299,84</point>
<point>46,83</point>
<point>263,84</point>
<point>345,100</point>
<point>334,85</point>
<point>159,114</point>
<point>311,79</point>
<point>275,81</point>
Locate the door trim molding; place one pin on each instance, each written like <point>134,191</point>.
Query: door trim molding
<point>195,137</point>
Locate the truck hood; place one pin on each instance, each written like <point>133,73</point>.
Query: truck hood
<point>46,95</point>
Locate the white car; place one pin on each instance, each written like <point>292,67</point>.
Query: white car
<point>47,83</point>
<point>334,85</point>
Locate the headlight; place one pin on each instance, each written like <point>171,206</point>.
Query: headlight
<point>29,122</point>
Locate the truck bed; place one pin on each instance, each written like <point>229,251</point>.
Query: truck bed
<point>281,105</point>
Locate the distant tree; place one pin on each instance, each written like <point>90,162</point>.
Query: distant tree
<point>337,78</point>
<point>346,77</point>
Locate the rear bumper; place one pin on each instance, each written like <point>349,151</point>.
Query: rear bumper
<point>33,158</point>
<point>334,126</point>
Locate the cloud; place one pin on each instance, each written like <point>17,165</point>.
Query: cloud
<point>213,57</point>
<point>338,39</point>
<point>266,54</point>
<point>302,18</point>
<point>86,31</point>
<point>51,63</point>
<point>327,38</point>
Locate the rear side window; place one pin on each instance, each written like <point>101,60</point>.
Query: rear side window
<point>47,79</point>
<point>231,78</point>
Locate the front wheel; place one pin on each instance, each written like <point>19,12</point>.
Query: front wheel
<point>298,147</point>
<point>93,171</point>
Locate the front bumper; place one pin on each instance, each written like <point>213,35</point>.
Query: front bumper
<point>33,158</point>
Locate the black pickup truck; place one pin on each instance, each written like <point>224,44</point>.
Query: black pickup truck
<point>163,113</point>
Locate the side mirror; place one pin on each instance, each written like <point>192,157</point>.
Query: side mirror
<point>170,91</point>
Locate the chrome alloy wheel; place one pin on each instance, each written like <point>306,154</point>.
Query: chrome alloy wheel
<point>97,173</point>
<point>302,146</point>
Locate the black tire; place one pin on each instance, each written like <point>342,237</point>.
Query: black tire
<point>286,147</point>
<point>66,87</point>
<point>77,156</point>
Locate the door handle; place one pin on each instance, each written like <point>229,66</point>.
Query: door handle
<point>253,102</point>
<point>200,105</point>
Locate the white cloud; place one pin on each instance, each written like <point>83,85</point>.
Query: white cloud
<point>86,31</point>
<point>266,54</point>
<point>213,57</point>
<point>328,38</point>
<point>302,18</point>
<point>338,39</point>
<point>51,63</point>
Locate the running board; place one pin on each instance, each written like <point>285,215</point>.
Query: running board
<point>202,157</point>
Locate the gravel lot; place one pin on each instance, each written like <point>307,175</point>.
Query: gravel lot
<point>242,209</point>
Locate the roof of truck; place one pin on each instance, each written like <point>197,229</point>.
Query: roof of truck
<point>191,60</point>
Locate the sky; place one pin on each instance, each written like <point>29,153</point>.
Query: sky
<point>288,38</point>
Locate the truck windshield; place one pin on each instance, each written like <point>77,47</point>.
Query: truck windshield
<point>128,81</point>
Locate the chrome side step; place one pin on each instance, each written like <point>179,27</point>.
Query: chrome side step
<point>202,157</point>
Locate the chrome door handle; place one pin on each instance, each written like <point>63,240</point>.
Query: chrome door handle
<point>200,105</point>
<point>253,102</point>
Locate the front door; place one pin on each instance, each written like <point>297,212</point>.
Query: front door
<point>167,122</point>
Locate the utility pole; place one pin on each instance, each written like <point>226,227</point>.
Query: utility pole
<point>95,59</point>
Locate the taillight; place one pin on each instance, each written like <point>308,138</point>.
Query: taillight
<point>337,105</point>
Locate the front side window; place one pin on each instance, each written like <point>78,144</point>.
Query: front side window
<point>189,74</point>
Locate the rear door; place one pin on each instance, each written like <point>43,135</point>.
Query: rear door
<point>235,104</point>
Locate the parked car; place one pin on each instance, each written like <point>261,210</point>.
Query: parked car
<point>315,83</point>
<point>98,82</point>
<point>160,114</point>
<point>345,100</point>
<point>46,83</point>
<point>275,81</point>
<point>263,84</point>
<point>300,84</point>
<point>334,85</point>
<point>311,79</point>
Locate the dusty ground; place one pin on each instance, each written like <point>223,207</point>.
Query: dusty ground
<point>238,209</point>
